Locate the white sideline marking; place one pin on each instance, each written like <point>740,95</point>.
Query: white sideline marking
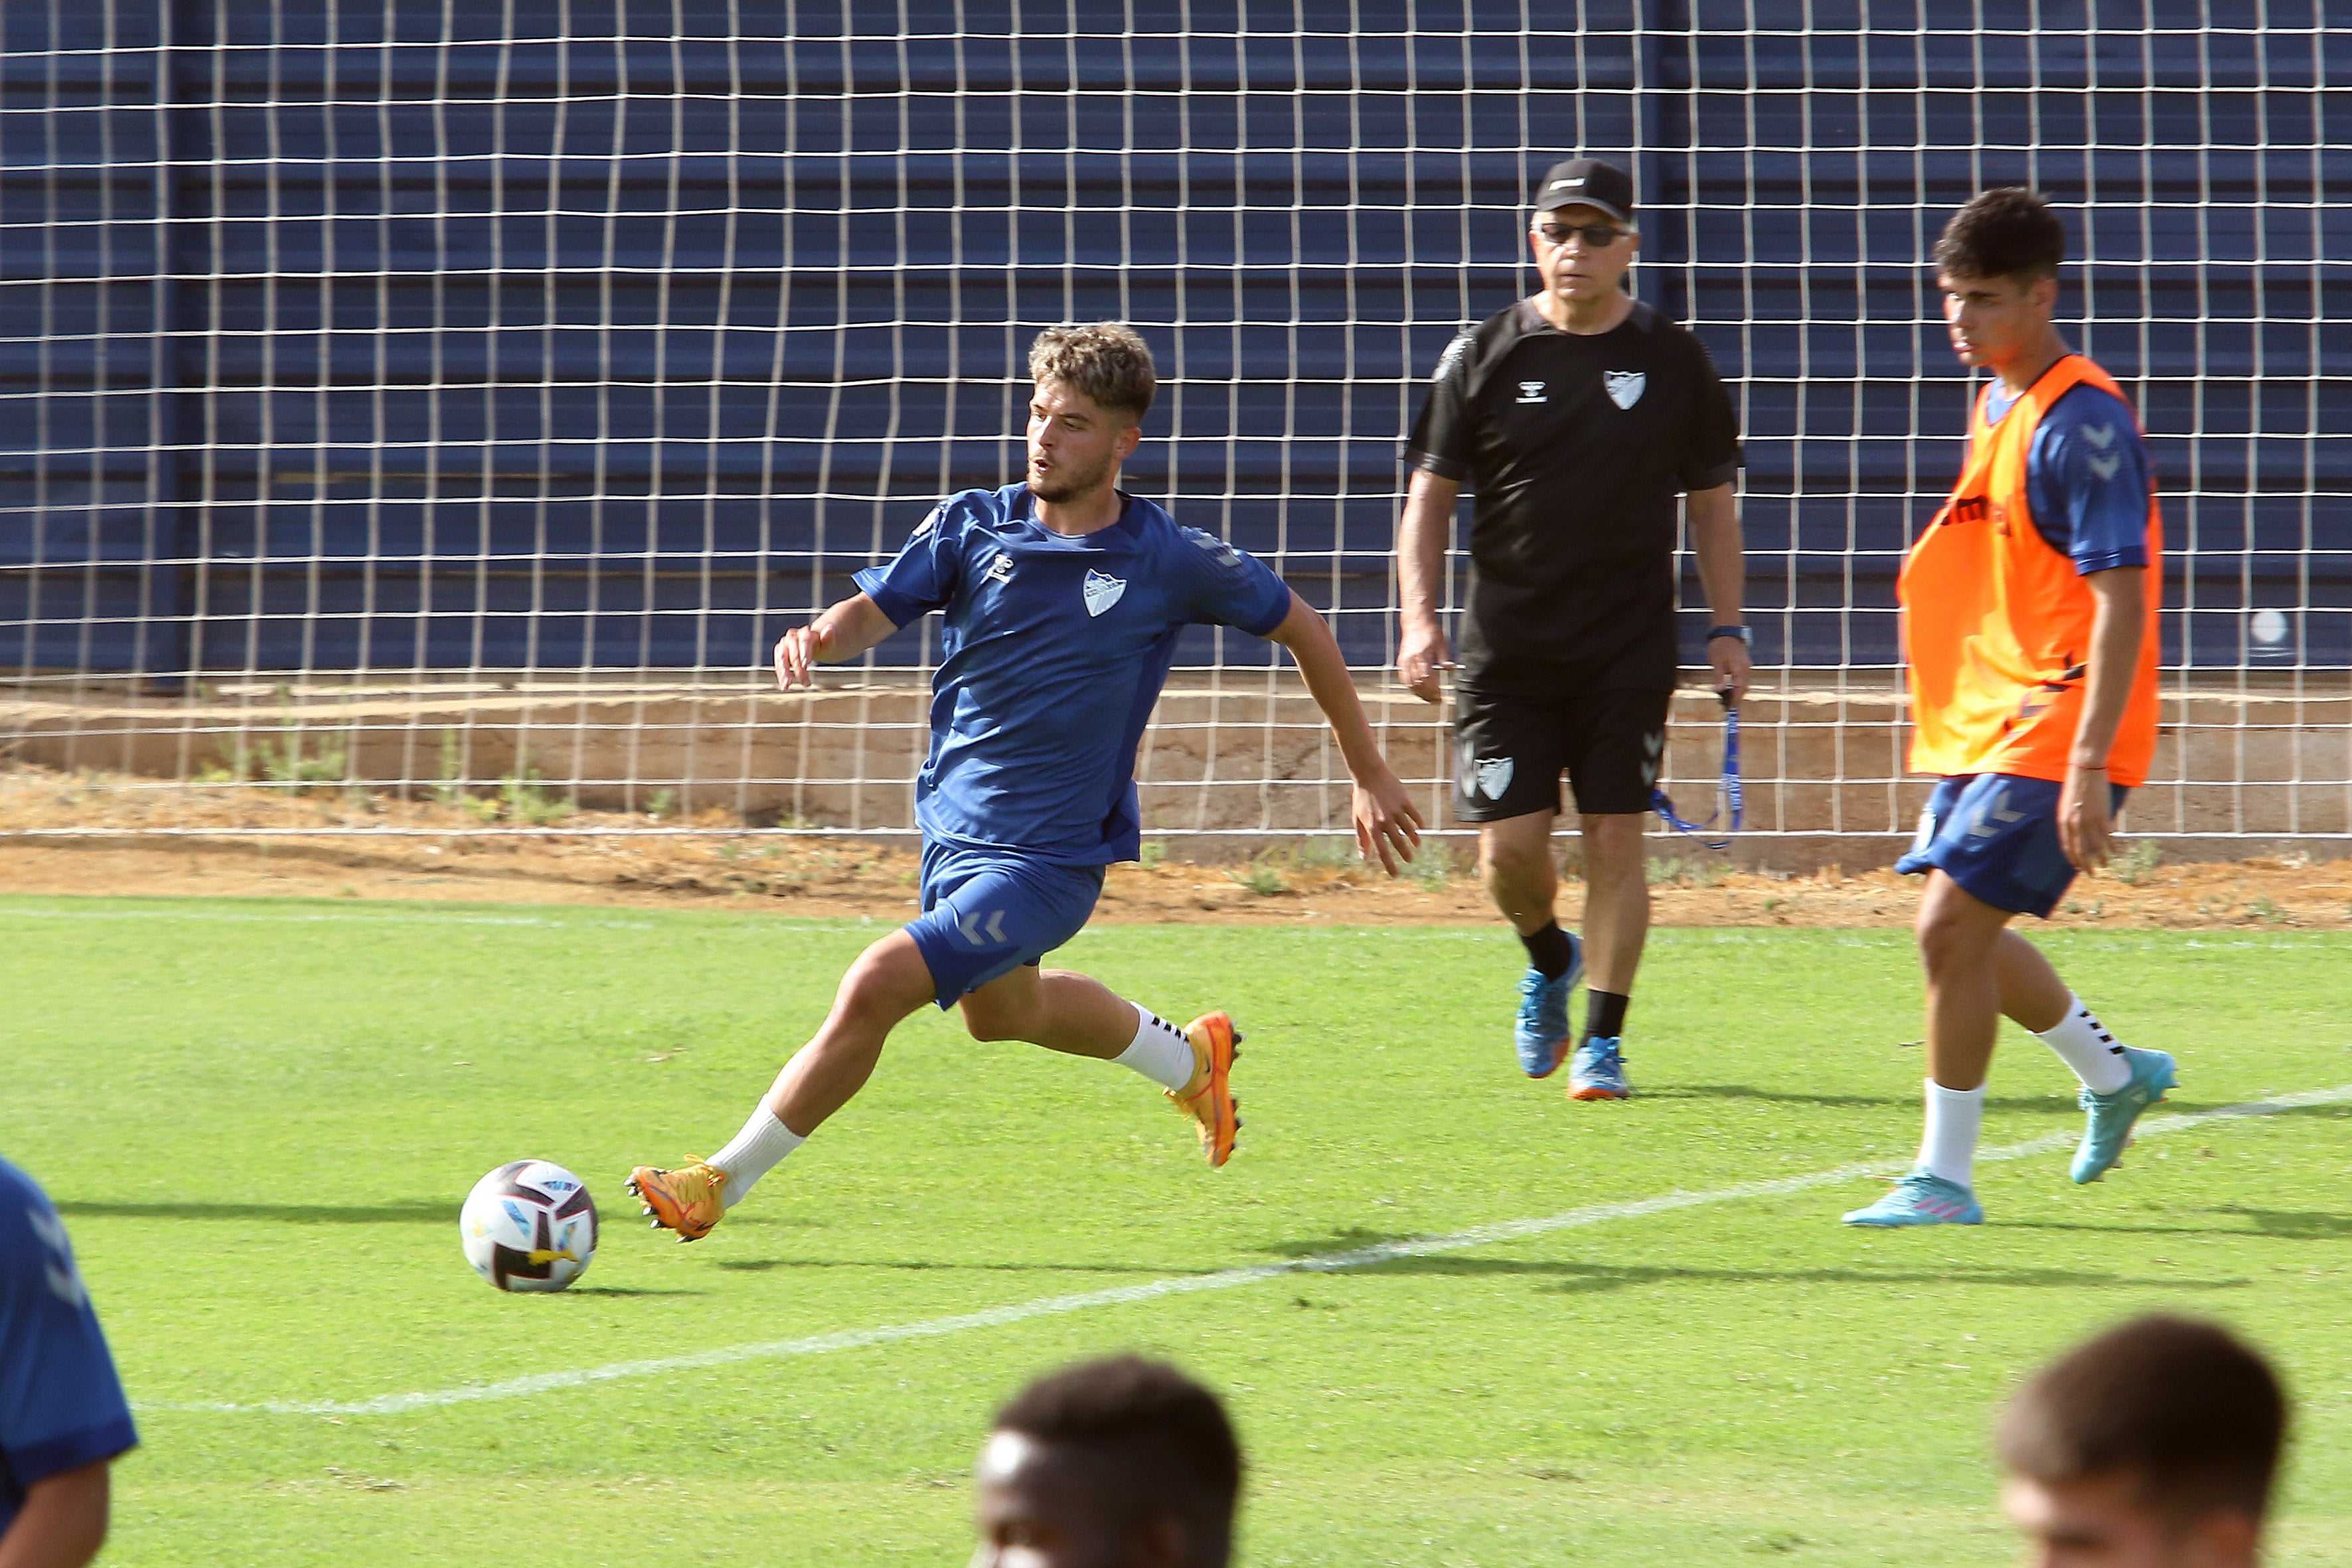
<point>1182,1284</point>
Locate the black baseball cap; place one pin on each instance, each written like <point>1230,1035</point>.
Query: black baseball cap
<point>1588,181</point>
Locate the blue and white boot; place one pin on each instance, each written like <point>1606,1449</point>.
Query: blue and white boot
<point>1921,1198</point>
<point>1599,1073</point>
<point>1541,1033</point>
<point>2108,1119</point>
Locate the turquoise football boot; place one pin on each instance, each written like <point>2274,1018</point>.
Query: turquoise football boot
<point>1541,1033</point>
<point>1921,1198</point>
<point>2108,1119</point>
<point>1599,1073</point>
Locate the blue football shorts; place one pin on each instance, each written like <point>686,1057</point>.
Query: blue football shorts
<point>1996,835</point>
<point>987,912</point>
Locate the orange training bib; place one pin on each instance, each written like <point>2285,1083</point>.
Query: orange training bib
<point>1997,622</point>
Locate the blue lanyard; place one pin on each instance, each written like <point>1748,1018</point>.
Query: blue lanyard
<point>1729,794</point>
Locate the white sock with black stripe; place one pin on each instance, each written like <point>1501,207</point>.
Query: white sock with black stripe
<point>1159,1050</point>
<point>2083,1043</point>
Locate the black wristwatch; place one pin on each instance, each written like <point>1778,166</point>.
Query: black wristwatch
<point>1746,638</point>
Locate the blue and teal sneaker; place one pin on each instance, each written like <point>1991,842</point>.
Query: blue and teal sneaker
<point>1921,1198</point>
<point>1542,1032</point>
<point>1600,1071</point>
<point>2108,1117</point>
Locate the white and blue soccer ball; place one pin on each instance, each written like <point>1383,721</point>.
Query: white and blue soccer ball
<point>528,1225</point>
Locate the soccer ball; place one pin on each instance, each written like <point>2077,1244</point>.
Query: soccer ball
<point>530,1225</point>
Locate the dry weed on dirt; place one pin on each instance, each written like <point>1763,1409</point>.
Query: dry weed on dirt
<point>431,856</point>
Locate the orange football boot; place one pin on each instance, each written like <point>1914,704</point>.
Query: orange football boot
<point>1208,1096</point>
<point>685,1200</point>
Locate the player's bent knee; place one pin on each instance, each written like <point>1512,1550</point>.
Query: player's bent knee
<point>887,982</point>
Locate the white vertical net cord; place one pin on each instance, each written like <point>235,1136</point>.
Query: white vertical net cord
<point>425,406</point>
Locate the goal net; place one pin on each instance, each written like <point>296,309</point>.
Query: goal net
<point>422,408</point>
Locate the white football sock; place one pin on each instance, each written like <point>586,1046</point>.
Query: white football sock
<point>2083,1043</point>
<point>758,1149</point>
<point>1949,1146</point>
<point>1159,1051</point>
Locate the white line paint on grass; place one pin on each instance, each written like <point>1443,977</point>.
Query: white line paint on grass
<point>1188,1284</point>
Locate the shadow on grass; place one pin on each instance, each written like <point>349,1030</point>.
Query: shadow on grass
<point>764,1265</point>
<point>440,1212</point>
<point>1586,1278</point>
<point>623,1291</point>
<point>1843,1102</point>
<point>2268,1224</point>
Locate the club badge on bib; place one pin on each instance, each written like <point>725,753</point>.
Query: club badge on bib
<point>1625,386</point>
<point>1102,591</point>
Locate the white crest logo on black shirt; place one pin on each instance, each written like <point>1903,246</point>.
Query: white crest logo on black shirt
<point>1532,392</point>
<point>1625,386</point>
<point>1102,591</point>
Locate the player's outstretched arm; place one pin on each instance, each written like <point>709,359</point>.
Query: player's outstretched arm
<point>1387,825</point>
<point>2118,631</point>
<point>1422,537</point>
<point>843,632</point>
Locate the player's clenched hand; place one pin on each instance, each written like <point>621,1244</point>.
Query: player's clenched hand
<point>1388,828</point>
<point>1421,654</point>
<point>2084,825</point>
<point>797,651</point>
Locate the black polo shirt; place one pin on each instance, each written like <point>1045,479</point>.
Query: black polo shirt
<point>1576,447</point>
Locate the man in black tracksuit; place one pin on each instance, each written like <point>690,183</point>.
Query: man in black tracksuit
<point>1578,415</point>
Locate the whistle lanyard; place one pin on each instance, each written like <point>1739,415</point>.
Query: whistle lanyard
<point>1728,792</point>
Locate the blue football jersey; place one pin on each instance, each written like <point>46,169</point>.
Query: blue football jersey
<point>1055,650</point>
<point>61,1406</point>
<point>2086,477</point>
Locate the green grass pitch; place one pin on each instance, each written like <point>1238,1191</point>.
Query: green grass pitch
<point>259,1119</point>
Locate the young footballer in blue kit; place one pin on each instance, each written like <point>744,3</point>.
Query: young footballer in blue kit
<point>1063,599</point>
<point>63,1419</point>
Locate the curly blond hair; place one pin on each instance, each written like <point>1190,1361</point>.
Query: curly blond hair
<point>1107,361</point>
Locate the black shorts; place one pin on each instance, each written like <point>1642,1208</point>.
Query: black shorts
<point>1511,750</point>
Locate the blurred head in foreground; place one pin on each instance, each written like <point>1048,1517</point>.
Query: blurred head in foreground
<point>1123,1463</point>
<point>2152,1446</point>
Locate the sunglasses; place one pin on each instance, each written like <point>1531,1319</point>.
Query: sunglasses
<point>1596,235</point>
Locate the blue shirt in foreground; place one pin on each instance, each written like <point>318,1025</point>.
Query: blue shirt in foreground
<point>2086,477</point>
<point>61,1406</point>
<point>1055,650</point>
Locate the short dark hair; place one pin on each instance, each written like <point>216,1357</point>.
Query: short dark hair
<point>1148,1419</point>
<point>2190,1412</point>
<point>1104,360</point>
<point>2005,233</point>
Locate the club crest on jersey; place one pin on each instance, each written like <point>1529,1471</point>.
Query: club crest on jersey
<point>1532,392</point>
<point>1102,591</point>
<point>1625,386</point>
<point>999,570</point>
